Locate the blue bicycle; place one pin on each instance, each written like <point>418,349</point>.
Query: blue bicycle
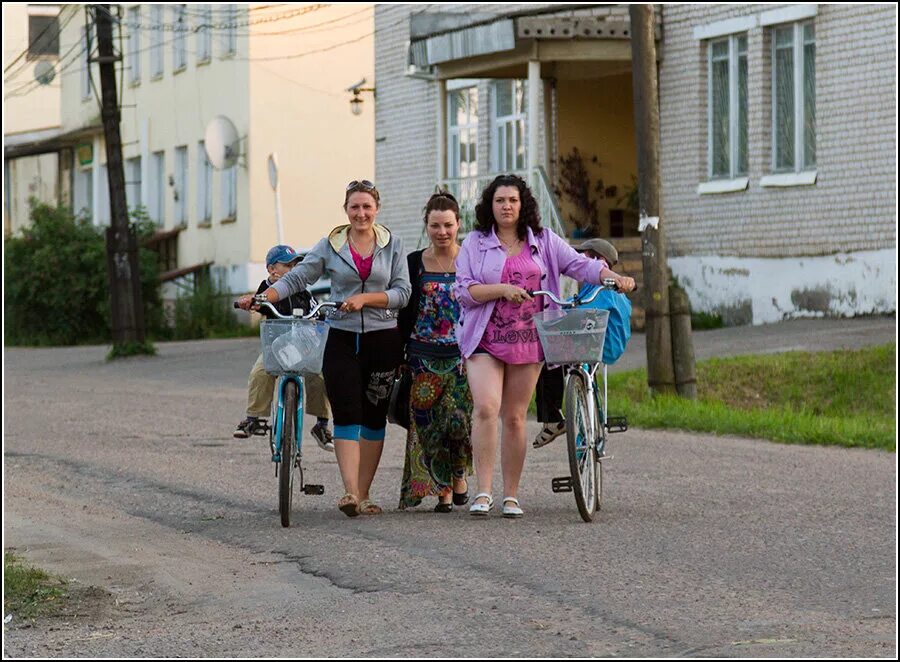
<point>292,345</point>
<point>574,336</point>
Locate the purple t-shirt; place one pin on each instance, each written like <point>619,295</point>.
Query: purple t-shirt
<point>510,335</point>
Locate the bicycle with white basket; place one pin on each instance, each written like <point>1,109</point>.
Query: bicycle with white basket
<point>292,345</point>
<point>573,336</point>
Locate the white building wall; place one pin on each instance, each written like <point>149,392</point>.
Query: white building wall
<point>300,109</point>
<point>28,106</point>
<point>745,290</point>
<point>279,97</point>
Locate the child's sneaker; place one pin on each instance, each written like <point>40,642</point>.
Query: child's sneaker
<point>249,426</point>
<point>323,437</point>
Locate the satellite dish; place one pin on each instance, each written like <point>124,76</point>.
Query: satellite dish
<point>222,142</point>
<point>44,72</point>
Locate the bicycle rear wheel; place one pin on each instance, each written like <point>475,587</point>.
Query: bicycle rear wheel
<point>285,468</point>
<point>580,443</point>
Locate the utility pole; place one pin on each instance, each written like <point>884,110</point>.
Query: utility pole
<point>660,371</point>
<point>121,244</point>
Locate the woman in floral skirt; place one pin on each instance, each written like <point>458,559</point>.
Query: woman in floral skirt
<point>438,444</point>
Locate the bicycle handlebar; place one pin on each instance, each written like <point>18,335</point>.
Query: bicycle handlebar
<point>260,301</point>
<point>608,284</point>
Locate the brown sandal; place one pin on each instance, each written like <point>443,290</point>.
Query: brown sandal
<point>366,507</point>
<point>349,505</point>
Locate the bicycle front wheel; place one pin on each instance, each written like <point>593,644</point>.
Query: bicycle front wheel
<point>579,438</point>
<point>285,468</point>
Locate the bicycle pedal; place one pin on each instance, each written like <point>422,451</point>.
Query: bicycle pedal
<point>562,484</point>
<point>616,424</point>
<point>314,489</point>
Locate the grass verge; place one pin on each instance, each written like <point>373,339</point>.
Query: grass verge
<point>844,398</point>
<point>29,592</point>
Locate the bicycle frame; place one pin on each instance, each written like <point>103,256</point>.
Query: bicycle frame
<point>596,400</point>
<point>279,413</point>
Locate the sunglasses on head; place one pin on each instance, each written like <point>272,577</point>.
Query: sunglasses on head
<point>363,184</point>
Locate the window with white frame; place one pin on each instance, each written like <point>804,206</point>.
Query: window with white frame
<point>228,191</point>
<point>794,97</point>
<point>204,185</point>
<point>229,37</point>
<point>133,182</point>
<point>509,125</point>
<point>462,132</point>
<point>134,44</point>
<point>85,63</point>
<point>157,63</point>
<point>728,117</point>
<point>181,185</point>
<point>204,33</point>
<point>157,200</point>
<point>179,25</point>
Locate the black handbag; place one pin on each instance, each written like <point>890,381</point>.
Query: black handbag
<point>398,408</point>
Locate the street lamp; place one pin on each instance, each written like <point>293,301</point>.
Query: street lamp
<point>356,102</point>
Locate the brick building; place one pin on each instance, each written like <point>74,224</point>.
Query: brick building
<point>778,137</point>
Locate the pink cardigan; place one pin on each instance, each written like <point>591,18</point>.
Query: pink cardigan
<point>480,262</point>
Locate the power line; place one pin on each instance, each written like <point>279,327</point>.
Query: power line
<point>230,25</point>
<point>293,56</point>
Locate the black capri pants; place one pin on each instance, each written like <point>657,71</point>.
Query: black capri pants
<point>359,371</point>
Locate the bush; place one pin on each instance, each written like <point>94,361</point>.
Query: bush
<point>206,312</point>
<point>56,280</point>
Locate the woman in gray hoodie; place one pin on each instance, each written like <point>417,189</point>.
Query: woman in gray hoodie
<point>369,273</point>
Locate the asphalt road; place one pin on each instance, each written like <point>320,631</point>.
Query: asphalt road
<point>125,477</point>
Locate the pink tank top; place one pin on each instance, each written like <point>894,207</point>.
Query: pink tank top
<point>363,264</point>
<point>510,335</point>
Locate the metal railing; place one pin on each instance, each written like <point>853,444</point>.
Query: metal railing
<point>467,191</point>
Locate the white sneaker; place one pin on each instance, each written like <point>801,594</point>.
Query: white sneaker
<point>512,511</point>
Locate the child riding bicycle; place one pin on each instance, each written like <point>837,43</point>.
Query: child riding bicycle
<point>260,385</point>
<point>549,390</point>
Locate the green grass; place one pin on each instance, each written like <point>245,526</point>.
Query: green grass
<point>29,592</point>
<point>843,398</point>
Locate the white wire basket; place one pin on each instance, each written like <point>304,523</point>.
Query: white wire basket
<point>293,346</point>
<point>574,335</point>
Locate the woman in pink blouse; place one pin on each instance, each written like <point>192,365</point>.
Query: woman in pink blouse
<point>507,254</point>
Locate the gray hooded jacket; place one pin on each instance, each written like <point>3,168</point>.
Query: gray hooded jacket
<point>390,274</point>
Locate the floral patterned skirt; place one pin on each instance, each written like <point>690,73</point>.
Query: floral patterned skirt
<point>439,443</point>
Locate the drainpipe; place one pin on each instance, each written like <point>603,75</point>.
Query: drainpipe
<point>534,92</point>
<point>441,128</point>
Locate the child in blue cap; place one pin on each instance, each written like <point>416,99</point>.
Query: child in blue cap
<point>261,385</point>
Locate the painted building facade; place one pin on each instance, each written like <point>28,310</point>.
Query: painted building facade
<point>279,73</point>
<point>31,107</point>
